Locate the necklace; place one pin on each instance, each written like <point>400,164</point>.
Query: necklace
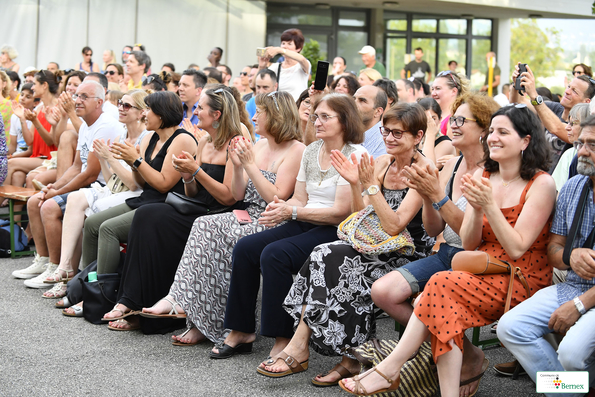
<point>506,184</point>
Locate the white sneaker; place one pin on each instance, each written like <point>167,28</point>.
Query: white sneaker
<point>37,267</point>
<point>37,282</point>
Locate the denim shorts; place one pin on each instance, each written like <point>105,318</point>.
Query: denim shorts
<point>61,200</point>
<point>419,272</point>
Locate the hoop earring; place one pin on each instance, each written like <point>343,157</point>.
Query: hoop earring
<point>215,124</point>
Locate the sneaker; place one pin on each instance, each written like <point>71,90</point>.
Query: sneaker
<point>37,267</point>
<point>507,369</point>
<point>37,282</point>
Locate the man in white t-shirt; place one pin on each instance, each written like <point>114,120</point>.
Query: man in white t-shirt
<point>46,209</point>
<point>108,108</point>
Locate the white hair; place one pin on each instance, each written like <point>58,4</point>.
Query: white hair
<point>10,50</point>
<point>99,90</point>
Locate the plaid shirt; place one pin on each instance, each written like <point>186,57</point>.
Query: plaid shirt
<point>567,204</point>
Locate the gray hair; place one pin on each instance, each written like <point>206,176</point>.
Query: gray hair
<point>10,50</point>
<point>580,111</point>
<point>99,90</point>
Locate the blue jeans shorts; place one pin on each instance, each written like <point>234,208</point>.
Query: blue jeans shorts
<point>61,200</point>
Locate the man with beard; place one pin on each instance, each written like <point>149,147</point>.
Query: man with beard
<point>371,102</point>
<point>565,307</point>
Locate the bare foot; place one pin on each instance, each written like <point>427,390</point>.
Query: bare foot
<point>235,338</point>
<point>70,310</point>
<point>348,363</point>
<point>473,361</point>
<point>371,380</point>
<point>276,365</point>
<point>126,324</point>
<point>117,312</point>
<point>164,306</point>
<point>191,336</point>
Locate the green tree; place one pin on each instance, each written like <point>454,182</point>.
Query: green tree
<point>312,53</point>
<point>539,49</point>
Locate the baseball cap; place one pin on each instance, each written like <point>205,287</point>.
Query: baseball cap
<point>367,49</point>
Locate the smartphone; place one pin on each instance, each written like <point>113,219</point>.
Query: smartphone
<point>321,75</point>
<point>261,52</point>
<point>517,82</point>
<point>242,216</point>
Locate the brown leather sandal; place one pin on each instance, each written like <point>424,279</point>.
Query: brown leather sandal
<point>340,369</point>
<point>292,363</point>
<point>359,390</point>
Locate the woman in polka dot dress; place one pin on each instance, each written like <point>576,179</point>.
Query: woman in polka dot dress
<point>510,203</point>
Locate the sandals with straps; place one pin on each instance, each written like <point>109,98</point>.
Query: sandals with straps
<point>360,390</point>
<point>294,366</point>
<point>173,313</point>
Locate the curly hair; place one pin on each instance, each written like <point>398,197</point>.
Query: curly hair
<point>482,108</point>
<point>526,123</point>
<point>352,83</point>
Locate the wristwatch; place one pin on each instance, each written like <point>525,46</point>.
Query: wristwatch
<point>372,190</point>
<point>294,213</point>
<point>579,306</point>
<point>537,101</point>
<point>137,162</point>
<point>440,203</point>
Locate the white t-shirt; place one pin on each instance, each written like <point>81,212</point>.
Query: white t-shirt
<point>16,129</point>
<point>293,80</point>
<point>321,185</point>
<point>110,109</point>
<point>105,127</point>
<point>122,138</point>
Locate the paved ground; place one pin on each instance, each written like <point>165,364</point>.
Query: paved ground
<point>45,353</point>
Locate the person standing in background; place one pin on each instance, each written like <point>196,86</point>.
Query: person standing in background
<point>418,67</point>
<point>495,81</point>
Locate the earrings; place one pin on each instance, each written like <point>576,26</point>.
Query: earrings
<point>215,124</point>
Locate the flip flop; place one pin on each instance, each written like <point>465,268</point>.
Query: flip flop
<point>173,313</point>
<point>178,343</point>
<point>341,370</point>
<point>120,321</point>
<point>484,367</point>
<point>124,315</point>
<point>292,363</point>
<point>78,311</point>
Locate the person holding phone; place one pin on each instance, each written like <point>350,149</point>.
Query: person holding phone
<point>260,173</point>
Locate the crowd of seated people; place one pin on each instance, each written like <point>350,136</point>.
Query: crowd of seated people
<point>272,167</point>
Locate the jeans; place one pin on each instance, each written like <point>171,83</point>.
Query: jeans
<point>522,332</point>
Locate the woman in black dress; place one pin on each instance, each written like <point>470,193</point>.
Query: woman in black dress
<point>159,232</point>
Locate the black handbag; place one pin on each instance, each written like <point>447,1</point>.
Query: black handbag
<point>74,290</point>
<point>190,206</point>
<point>100,296</point>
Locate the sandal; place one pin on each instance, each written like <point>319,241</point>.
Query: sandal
<point>173,313</point>
<point>484,367</point>
<point>341,370</point>
<point>63,303</point>
<point>122,321</point>
<point>359,390</point>
<point>78,311</point>
<point>56,276</point>
<point>294,366</point>
<point>180,343</point>
<point>124,314</point>
<point>57,291</point>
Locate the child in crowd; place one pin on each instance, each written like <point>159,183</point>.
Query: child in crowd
<point>18,147</point>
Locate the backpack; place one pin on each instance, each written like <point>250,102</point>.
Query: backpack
<point>20,238</point>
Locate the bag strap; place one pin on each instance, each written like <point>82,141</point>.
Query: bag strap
<point>515,271</point>
<point>578,216</point>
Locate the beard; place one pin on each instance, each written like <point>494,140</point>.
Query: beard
<point>585,166</point>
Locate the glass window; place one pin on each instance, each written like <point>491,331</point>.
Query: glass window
<point>395,21</point>
<point>348,45</point>
<point>396,48</point>
<point>297,15</point>
<point>482,27</point>
<point>352,18</point>
<point>452,50</point>
<point>453,26</point>
<point>429,47</point>
<point>479,65</point>
<point>426,25</point>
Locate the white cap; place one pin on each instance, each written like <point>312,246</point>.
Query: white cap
<point>367,49</point>
<point>30,69</point>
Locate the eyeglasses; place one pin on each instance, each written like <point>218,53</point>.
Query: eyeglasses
<point>572,123</point>
<point>274,96</point>
<point>243,73</point>
<point>459,121</point>
<point>578,73</point>
<point>110,72</point>
<point>448,73</point>
<point>322,117</point>
<point>307,103</point>
<point>83,97</point>
<point>590,146</point>
<point>126,106</point>
<point>218,91</point>
<point>395,133</point>
<point>138,45</point>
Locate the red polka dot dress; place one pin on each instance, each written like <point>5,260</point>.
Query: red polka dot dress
<point>455,301</point>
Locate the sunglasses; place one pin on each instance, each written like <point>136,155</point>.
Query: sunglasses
<point>448,73</point>
<point>517,105</point>
<point>126,106</point>
<point>274,96</point>
<point>110,72</point>
<point>243,73</point>
<point>578,73</point>
<point>89,55</point>
<point>126,52</point>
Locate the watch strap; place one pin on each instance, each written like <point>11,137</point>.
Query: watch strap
<point>437,206</point>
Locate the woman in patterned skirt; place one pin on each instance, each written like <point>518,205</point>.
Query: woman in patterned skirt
<point>509,204</point>
<point>268,169</point>
<point>330,298</point>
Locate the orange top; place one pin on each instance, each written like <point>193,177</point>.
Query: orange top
<point>40,148</point>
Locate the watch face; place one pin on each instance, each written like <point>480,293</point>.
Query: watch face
<point>373,189</point>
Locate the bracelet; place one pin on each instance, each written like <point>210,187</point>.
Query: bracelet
<point>190,181</point>
<point>196,172</point>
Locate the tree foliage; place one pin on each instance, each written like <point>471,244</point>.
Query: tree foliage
<point>312,53</point>
<point>538,48</point>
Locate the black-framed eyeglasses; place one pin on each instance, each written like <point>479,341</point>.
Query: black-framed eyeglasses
<point>126,106</point>
<point>110,72</point>
<point>397,134</point>
<point>83,97</point>
<point>274,96</point>
<point>449,73</point>
<point>323,117</point>
<point>460,120</point>
<point>590,146</point>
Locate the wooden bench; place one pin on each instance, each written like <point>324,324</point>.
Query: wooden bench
<point>18,194</point>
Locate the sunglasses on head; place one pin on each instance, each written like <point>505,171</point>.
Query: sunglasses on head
<point>448,73</point>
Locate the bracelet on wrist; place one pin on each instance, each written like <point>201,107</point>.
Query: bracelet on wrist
<point>190,181</point>
<point>196,172</point>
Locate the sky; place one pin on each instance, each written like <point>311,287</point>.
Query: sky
<point>574,32</point>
